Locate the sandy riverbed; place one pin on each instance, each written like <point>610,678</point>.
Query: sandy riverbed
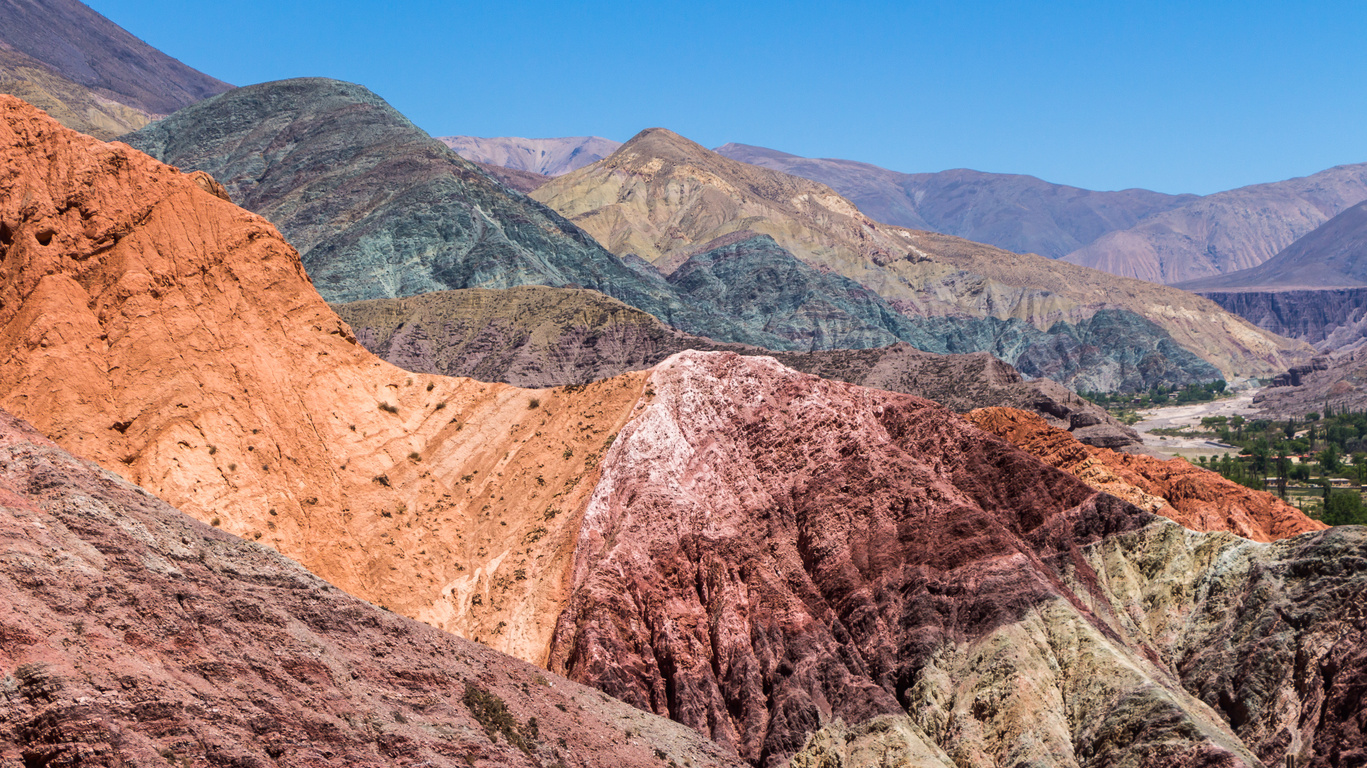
<point>1190,415</point>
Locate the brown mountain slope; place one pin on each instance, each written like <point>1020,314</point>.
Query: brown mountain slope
<point>131,635</point>
<point>83,47</point>
<point>1227,231</point>
<point>72,104</point>
<point>1019,213</point>
<point>661,196</point>
<point>766,552</point>
<point>534,336</point>
<point>1333,255</point>
<point>1197,498</point>
<point>173,337</point>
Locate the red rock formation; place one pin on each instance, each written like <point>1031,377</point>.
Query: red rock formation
<point>131,635</point>
<point>1197,498</point>
<point>150,325</point>
<point>767,551</point>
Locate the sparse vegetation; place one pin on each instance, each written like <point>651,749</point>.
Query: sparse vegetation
<point>387,408</point>
<point>492,714</point>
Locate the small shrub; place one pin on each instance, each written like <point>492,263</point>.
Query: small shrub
<point>213,449</point>
<point>569,452</point>
<point>439,406</point>
<point>387,408</point>
<point>215,522</point>
<point>533,403</point>
<point>492,714</point>
<point>415,456</point>
<point>431,386</point>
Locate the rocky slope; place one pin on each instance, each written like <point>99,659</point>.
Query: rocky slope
<point>376,207</point>
<point>783,552</point>
<point>174,338</point>
<point>545,157</point>
<point>1197,498</point>
<point>1328,319</point>
<point>74,105</point>
<point>310,154</point>
<point>1018,213</point>
<point>522,181</point>
<point>132,635</point>
<point>87,71</point>
<point>1335,381</point>
<point>1227,231</point>
<point>540,337</point>
<point>1333,255</point>
<point>661,196</point>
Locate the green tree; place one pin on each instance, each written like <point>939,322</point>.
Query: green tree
<point>1344,508</point>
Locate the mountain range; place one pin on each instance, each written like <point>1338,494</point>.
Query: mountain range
<point>77,65</point>
<point>1014,212</point>
<point>799,569</point>
<point>308,154</point>
<point>1139,233</point>
<point>692,486</point>
<point>662,198</point>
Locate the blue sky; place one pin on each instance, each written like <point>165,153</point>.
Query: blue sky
<point>1173,96</point>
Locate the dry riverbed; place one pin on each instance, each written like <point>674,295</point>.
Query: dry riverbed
<point>1190,415</point>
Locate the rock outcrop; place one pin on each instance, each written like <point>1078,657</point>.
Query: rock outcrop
<point>1197,498</point>
<point>1336,381</point>
<point>542,337</point>
<point>88,72</point>
<point>1227,231</point>
<point>661,197</point>
<point>132,635</point>
<point>1018,213</point>
<point>780,553</point>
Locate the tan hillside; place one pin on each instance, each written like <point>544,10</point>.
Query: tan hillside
<point>72,104</point>
<point>174,338</point>
<point>663,197</point>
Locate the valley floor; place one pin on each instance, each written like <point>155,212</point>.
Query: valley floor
<point>1190,415</point>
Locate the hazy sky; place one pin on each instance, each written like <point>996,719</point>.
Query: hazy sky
<point>1174,96</point>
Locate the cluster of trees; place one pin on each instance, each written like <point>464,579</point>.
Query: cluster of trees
<point>1159,394</point>
<point>1328,446</point>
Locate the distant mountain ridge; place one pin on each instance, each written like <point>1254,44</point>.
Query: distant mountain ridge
<point>1227,231</point>
<point>547,157</point>
<point>1016,212</point>
<point>663,197</point>
<point>1333,255</point>
<point>88,72</point>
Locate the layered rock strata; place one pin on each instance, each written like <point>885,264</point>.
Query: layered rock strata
<point>132,635</point>
<point>773,559</point>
